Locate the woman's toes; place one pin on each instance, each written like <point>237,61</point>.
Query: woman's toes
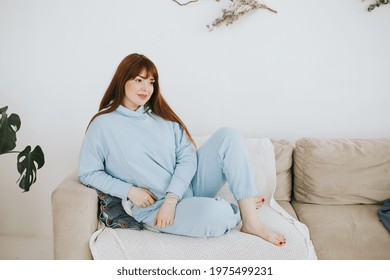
<point>282,241</point>
<point>259,201</point>
<point>278,240</point>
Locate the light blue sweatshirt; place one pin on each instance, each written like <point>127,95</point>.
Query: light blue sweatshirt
<point>128,148</point>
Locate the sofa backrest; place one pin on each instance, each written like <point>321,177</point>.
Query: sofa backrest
<point>341,171</point>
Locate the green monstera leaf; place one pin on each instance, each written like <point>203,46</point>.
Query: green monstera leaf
<point>28,163</point>
<point>8,128</point>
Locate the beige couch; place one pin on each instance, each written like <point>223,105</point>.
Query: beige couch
<point>333,186</point>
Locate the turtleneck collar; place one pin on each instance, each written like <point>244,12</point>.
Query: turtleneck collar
<point>139,113</point>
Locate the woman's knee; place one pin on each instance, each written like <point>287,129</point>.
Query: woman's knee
<point>221,216</point>
<point>230,134</point>
<point>211,217</point>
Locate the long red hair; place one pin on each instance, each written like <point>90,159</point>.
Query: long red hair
<point>129,68</point>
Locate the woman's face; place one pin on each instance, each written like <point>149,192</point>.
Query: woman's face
<point>138,91</point>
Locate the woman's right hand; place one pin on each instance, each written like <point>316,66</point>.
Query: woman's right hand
<point>141,197</point>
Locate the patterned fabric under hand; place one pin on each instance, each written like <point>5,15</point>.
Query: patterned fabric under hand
<point>112,214</point>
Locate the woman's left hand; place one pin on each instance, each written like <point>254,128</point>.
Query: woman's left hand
<point>165,215</point>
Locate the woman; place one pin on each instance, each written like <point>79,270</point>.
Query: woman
<point>137,148</point>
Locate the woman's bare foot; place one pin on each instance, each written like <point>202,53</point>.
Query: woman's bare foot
<point>252,225</point>
<point>259,201</point>
<point>265,233</point>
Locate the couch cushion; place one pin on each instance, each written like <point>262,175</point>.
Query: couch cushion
<point>345,231</point>
<point>342,171</point>
<point>288,207</point>
<point>283,159</point>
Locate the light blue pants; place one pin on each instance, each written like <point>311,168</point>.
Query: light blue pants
<point>223,158</point>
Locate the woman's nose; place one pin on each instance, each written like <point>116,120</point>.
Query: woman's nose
<point>147,87</point>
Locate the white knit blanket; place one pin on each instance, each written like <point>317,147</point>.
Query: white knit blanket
<point>117,244</point>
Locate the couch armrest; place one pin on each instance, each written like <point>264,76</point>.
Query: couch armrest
<point>74,211</point>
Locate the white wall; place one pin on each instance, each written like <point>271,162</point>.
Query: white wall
<point>317,68</point>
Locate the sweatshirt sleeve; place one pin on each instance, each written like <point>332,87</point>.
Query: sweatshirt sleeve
<point>186,163</point>
<point>92,165</point>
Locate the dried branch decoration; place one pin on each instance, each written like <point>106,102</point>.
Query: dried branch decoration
<point>236,10</point>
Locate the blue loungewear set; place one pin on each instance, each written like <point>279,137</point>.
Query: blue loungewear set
<point>128,148</point>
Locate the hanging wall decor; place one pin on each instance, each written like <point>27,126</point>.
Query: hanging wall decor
<point>236,10</point>
<point>240,8</point>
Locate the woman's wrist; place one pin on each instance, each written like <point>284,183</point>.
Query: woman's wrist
<point>171,198</point>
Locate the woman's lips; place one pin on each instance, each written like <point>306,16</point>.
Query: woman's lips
<point>142,96</point>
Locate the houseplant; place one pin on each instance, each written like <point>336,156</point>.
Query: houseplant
<point>28,161</point>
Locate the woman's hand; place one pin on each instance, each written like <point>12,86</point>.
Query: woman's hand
<point>165,215</point>
<point>141,197</point>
